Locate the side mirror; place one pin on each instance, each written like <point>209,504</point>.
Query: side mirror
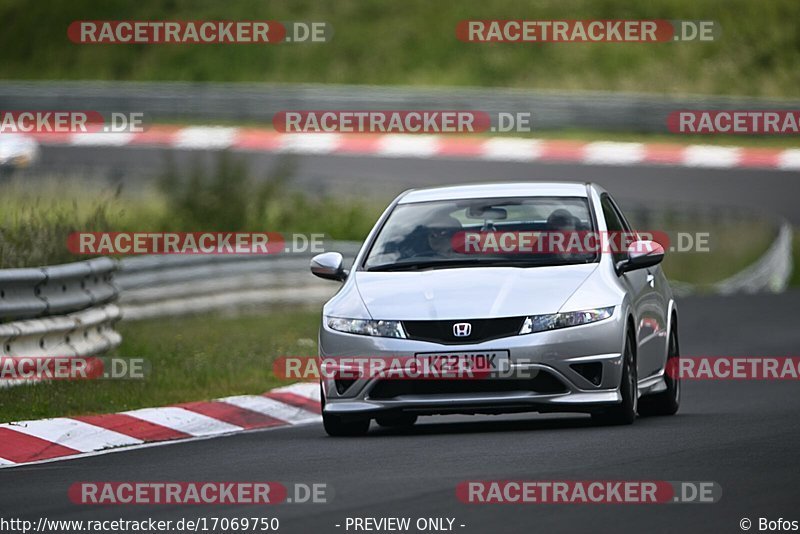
<point>328,266</point>
<point>641,254</point>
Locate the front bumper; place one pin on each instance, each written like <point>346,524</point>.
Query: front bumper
<point>555,354</point>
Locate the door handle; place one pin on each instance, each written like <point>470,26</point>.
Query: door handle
<point>651,279</point>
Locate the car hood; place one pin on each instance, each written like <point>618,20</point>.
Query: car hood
<point>469,293</point>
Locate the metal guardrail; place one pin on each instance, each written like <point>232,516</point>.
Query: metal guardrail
<point>632,112</point>
<point>770,273</point>
<point>52,290</point>
<point>153,286</point>
<point>83,333</point>
<point>151,271</point>
<point>63,310</point>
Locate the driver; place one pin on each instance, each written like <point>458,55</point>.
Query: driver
<point>440,231</point>
<point>561,225</point>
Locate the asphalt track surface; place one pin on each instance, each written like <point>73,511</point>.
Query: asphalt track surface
<point>770,191</point>
<point>741,434</point>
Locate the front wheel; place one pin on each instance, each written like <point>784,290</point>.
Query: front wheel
<point>667,402</point>
<point>623,413</point>
<point>337,427</point>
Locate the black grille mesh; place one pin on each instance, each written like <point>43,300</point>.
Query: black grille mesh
<point>482,330</point>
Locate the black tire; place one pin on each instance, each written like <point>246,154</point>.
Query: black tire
<point>666,402</point>
<point>397,421</point>
<point>623,413</point>
<point>337,427</point>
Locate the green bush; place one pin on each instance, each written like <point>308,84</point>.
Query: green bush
<point>36,234</point>
<point>228,199</point>
<point>35,223</point>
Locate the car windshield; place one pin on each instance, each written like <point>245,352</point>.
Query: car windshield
<point>510,232</point>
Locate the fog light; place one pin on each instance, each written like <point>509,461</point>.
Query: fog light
<point>593,371</point>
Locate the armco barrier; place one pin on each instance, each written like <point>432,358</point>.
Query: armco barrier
<point>137,272</point>
<point>18,298</point>
<point>770,273</point>
<point>153,286</point>
<point>630,112</point>
<point>53,290</point>
<point>83,333</point>
<point>60,310</point>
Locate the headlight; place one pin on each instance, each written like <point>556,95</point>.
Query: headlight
<point>542,323</point>
<point>367,327</point>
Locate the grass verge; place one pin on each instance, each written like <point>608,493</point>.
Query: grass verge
<point>37,217</point>
<point>732,247</point>
<point>190,358</point>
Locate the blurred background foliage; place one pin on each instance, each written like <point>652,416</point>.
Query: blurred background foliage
<point>413,43</point>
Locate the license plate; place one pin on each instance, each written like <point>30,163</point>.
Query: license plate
<point>463,363</point>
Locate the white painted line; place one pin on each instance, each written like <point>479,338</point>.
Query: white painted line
<point>711,156</point>
<point>310,143</point>
<point>403,145</point>
<point>511,149</point>
<point>203,137</point>
<point>3,461</point>
<point>291,414</point>
<point>789,159</point>
<point>185,421</point>
<point>73,434</point>
<point>101,139</point>
<point>611,153</point>
<point>303,389</point>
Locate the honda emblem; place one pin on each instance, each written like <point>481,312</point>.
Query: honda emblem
<point>462,329</point>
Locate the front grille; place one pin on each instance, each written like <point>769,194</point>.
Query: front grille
<point>543,383</point>
<point>482,330</point>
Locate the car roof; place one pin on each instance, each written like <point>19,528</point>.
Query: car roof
<point>496,190</point>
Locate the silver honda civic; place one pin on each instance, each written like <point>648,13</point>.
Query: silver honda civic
<point>505,298</point>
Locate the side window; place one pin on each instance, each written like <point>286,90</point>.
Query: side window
<point>615,226</point>
<point>622,218</point>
